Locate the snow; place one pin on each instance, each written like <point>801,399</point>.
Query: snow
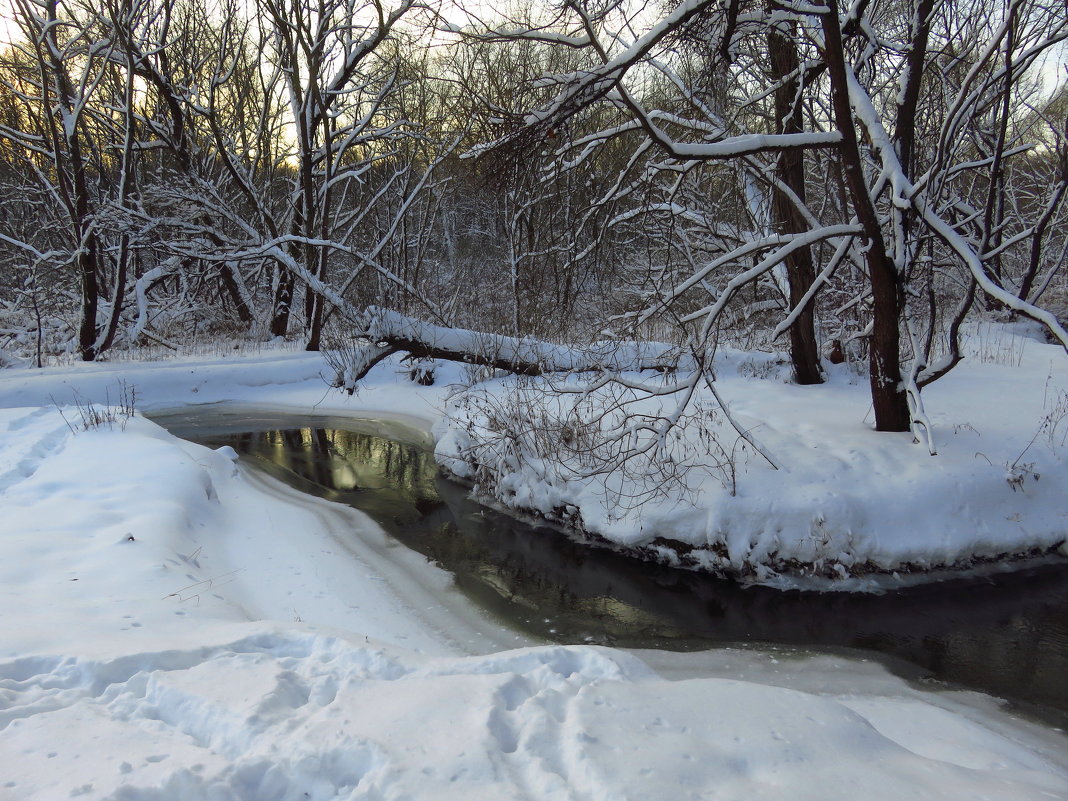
<point>753,143</point>
<point>173,626</point>
<point>846,505</point>
<point>384,325</point>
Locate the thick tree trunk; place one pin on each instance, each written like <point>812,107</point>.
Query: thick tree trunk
<point>283,303</point>
<point>90,288</point>
<point>315,324</point>
<point>800,270</point>
<point>887,390</point>
<point>226,276</point>
<point>71,178</point>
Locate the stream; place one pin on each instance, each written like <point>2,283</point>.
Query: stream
<point>1004,634</point>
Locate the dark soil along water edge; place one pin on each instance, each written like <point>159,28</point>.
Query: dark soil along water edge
<point>1005,634</point>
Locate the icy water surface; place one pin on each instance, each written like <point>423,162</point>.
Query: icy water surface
<point>1006,634</point>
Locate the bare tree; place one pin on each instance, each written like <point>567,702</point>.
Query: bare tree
<point>58,70</point>
<point>869,98</point>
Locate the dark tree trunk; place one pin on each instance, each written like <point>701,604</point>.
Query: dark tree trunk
<point>118,294</point>
<point>90,299</point>
<point>887,391</point>
<point>74,188</point>
<point>800,270</point>
<point>315,324</point>
<point>283,302</point>
<point>226,275</point>
<point>995,203</point>
<point>905,127</point>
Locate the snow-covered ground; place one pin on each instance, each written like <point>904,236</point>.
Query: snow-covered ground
<point>842,508</point>
<point>173,627</point>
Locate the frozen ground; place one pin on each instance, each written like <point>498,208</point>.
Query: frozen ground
<point>174,628</point>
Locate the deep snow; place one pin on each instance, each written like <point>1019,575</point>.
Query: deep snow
<point>173,627</point>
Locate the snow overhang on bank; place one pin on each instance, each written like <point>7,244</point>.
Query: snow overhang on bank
<point>843,507</point>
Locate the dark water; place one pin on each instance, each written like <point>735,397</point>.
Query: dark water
<point>1006,634</point>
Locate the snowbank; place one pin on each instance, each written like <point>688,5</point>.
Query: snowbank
<point>845,502</point>
<point>171,627</point>
<point>848,509</point>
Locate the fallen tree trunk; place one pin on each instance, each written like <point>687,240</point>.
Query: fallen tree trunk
<point>387,332</point>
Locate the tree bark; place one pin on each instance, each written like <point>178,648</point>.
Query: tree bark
<point>283,302</point>
<point>90,298</point>
<point>226,277</point>
<point>887,390</point>
<point>800,270</point>
<point>73,183</point>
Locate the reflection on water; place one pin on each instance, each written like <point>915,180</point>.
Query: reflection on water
<point>392,481</point>
<point>1006,634</point>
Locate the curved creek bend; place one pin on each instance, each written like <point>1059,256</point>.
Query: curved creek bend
<point>1005,634</point>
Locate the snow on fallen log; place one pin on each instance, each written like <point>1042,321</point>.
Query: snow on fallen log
<point>389,332</point>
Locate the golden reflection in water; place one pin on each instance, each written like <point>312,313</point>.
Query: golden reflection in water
<point>347,461</point>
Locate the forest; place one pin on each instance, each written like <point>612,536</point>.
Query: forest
<point>851,183</point>
<point>562,400</point>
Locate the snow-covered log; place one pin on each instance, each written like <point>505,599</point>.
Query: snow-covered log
<point>382,332</point>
